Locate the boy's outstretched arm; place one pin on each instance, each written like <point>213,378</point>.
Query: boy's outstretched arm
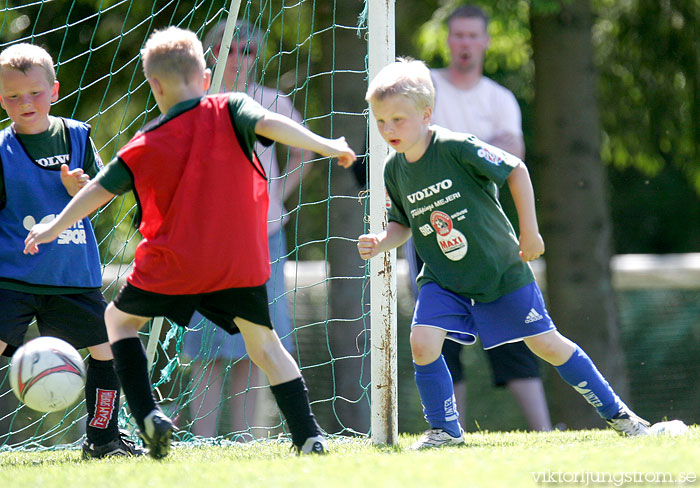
<point>286,131</point>
<point>88,199</point>
<point>369,245</point>
<point>531,243</point>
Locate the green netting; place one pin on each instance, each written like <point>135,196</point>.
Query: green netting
<point>661,334</point>
<point>310,51</point>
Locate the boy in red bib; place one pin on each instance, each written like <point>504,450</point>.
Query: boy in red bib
<point>203,199</point>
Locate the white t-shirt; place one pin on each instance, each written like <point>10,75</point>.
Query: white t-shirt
<point>277,102</point>
<point>485,110</point>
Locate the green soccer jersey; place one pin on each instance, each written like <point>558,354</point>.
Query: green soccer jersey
<point>449,200</point>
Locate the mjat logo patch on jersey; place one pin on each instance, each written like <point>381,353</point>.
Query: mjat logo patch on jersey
<point>452,242</point>
<point>387,203</point>
<point>441,222</point>
<point>489,156</point>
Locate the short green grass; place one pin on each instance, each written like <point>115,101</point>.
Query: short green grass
<point>489,459</point>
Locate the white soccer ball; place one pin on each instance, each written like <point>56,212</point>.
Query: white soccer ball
<point>670,427</point>
<point>47,374</point>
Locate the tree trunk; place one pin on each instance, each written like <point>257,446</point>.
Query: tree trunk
<point>573,203</point>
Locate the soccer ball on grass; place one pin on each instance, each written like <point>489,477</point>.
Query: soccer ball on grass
<point>47,374</point>
<point>669,427</point>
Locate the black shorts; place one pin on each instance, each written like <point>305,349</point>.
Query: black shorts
<point>77,318</point>
<point>508,362</point>
<point>221,307</point>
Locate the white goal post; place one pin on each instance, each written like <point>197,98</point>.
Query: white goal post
<point>384,397</point>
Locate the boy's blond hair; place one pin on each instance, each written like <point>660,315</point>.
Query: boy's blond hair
<point>23,57</point>
<point>173,52</point>
<point>407,77</point>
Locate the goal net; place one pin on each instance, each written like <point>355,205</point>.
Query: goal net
<point>304,59</point>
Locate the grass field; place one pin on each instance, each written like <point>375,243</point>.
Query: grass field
<point>490,459</point>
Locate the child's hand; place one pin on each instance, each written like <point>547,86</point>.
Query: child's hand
<point>368,246</point>
<point>39,234</point>
<point>531,246</point>
<point>338,148</point>
<point>73,180</point>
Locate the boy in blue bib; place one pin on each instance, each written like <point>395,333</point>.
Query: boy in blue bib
<point>44,161</point>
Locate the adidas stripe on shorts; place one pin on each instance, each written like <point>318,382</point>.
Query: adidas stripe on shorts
<point>512,317</point>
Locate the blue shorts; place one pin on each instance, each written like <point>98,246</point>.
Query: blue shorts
<point>510,318</point>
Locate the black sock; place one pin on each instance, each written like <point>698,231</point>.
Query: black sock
<point>131,365</point>
<point>101,401</point>
<point>293,401</point>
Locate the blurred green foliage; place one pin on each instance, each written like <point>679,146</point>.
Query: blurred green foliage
<point>648,59</point>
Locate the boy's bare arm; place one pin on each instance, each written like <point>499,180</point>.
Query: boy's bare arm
<point>369,245</point>
<point>88,199</point>
<point>286,131</point>
<point>531,243</point>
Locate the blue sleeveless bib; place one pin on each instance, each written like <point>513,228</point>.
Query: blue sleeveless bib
<point>35,194</point>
